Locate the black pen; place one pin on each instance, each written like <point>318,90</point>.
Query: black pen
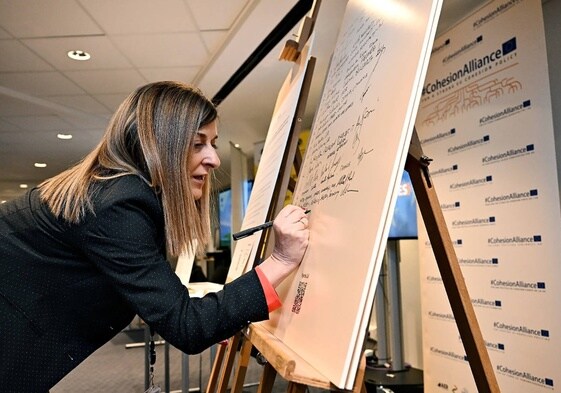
<point>250,231</point>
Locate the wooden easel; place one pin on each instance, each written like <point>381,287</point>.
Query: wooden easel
<point>417,166</point>
<point>226,352</point>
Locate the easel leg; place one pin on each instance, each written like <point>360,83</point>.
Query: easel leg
<point>228,363</point>
<point>243,362</point>
<point>267,379</point>
<point>216,367</point>
<point>359,386</point>
<point>294,387</point>
<point>452,278</point>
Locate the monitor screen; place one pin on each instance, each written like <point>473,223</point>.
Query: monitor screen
<point>225,212</point>
<point>225,216</point>
<point>404,222</point>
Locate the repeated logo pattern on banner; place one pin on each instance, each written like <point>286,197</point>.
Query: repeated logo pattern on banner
<point>485,119</point>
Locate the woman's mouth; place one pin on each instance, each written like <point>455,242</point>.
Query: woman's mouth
<point>199,178</point>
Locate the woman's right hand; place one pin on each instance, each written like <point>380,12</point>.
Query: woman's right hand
<point>291,235</point>
<point>291,241</point>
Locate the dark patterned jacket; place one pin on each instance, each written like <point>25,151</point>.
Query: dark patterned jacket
<point>65,290</point>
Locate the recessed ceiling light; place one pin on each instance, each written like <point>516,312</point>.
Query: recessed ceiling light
<point>23,186</point>
<point>64,136</point>
<point>237,145</point>
<point>79,55</point>
<point>39,165</point>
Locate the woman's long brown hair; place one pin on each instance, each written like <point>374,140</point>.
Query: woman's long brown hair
<point>150,135</point>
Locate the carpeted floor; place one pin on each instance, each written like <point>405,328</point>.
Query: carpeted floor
<point>115,368</point>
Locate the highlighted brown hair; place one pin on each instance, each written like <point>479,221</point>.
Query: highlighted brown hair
<point>150,135</point>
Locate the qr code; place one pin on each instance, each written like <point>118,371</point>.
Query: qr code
<point>299,297</point>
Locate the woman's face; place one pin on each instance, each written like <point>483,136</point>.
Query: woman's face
<point>203,158</point>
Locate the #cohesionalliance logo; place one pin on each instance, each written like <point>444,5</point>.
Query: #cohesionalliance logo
<point>525,376</point>
<point>508,154</point>
<point>438,136</point>
<point>463,48</point>
<point>449,354</point>
<point>521,330</point>
<point>442,316</point>
<point>513,196</point>
<point>469,144</point>
<point>505,112</point>
<point>438,48</point>
<point>487,303</point>
<point>515,240</point>
<point>477,261</point>
<point>495,346</point>
<point>450,205</point>
<point>455,243</point>
<point>519,285</point>
<point>479,181</point>
<point>498,10</point>
<point>474,222</point>
<point>444,170</point>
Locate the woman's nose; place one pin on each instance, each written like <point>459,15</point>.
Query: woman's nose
<point>212,159</point>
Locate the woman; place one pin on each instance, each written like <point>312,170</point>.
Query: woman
<point>85,251</point>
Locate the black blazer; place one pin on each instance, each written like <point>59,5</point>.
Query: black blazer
<point>65,290</point>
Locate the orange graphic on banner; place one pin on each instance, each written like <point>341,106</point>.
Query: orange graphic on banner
<point>473,95</point>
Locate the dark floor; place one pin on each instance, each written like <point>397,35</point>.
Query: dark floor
<point>115,368</point>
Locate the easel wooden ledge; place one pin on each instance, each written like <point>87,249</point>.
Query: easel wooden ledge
<point>282,360</point>
<point>417,166</point>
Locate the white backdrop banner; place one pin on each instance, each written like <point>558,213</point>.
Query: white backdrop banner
<point>485,119</point>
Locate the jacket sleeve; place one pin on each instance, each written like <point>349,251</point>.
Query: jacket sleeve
<point>125,241</point>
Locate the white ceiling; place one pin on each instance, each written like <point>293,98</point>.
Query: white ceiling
<point>133,42</point>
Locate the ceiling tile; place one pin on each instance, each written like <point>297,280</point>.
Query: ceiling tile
<point>163,50</point>
<point>207,17</point>
<point>84,103</point>
<point>79,123</point>
<point>10,106</point>
<point>32,18</point>
<point>107,81</point>
<point>54,50</point>
<point>16,57</point>
<point>183,74</point>
<point>6,126</point>
<point>112,101</point>
<point>142,16</point>
<point>4,34</point>
<point>213,40</point>
<point>39,123</point>
<point>39,83</point>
